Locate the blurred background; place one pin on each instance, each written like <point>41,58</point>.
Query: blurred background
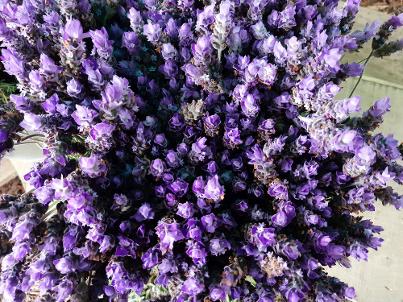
<point>381,278</point>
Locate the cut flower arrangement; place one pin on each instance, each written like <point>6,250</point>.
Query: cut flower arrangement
<point>193,150</point>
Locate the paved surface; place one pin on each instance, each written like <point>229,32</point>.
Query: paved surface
<point>381,278</point>
<point>389,68</point>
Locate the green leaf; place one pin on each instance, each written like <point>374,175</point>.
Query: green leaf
<point>78,139</point>
<point>250,280</point>
<point>5,90</point>
<point>228,299</point>
<point>133,297</point>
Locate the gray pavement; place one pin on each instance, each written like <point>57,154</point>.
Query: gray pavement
<point>381,278</point>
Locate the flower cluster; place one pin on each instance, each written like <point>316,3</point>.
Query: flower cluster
<point>196,146</point>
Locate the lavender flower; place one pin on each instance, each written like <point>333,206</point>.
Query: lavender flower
<point>101,42</point>
<point>92,166</point>
<point>152,31</point>
<point>379,108</point>
<point>73,30</point>
<point>192,150</point>
<point>213,190</point>
<point>31,122</point>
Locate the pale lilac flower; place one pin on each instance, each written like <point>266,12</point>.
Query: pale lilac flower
<point>92,166</point>
<point>379,108</point>
<point>31,122</point>
<point>73,30</point>
<point>152,31</point>
<point>101,42</point>
<point>213,189</point>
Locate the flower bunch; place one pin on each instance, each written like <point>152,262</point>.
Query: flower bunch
<point>194,146</point>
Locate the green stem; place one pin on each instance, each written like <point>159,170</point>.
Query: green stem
<point>31,136</point>
<point>359,62</point>
<point>29,142</point>
<point>359,79</point>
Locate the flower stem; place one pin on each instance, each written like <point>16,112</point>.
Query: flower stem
<point>359,79</point>
<point>31,136</point>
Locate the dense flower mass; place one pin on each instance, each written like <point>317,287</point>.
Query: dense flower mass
<point>192,146</point>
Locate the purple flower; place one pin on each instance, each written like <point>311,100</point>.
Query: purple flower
<point>217,294</point>
<point>249,106</point>
<point>379,108</point>
<point>353,69</point>
<point>284,216</point>
<point>74,88</point>
<point>73,30</point>
<point>172,159</point>
<point>52,18</point>
<point>202,50</point>
<point>64,289</point>
<point>49,105</point>
<point>294,295</point>
<point>152,31</point>
<point>212,124</point>
<point>345,107</point>
<point>106,244</point>
<point>101,42</point>
<point>387,147</point>
<point>3,136</point>
<point>145,212</point>
<point>219,246</point>
<point>150,258</point>
<point>232,137</point>
<point>65,265</point>
<point>267,74</point>
<point>185,210</point>
<point>31,122</point>
<point>349,292</point>
<point>332,58</point>
<point>44,194</point>
<point>35,79</point>
<point>157,167</point>
<point>291,250</point>
<point>168,234</point>
<point>196,252</point>
<point>130,41</point>
<point>237,99</point>
<point>101,129</point>
<point>48,66</point>
<point>92,166</point>
<point>198,187</point>
<point>366,155</point>
<point>259,30</point>
<point>213,190</point>
<point>135,18</point>
<point>168,51</point>
<point>209,222</point>
<point>12,62</point>
<point>261,236</point>
<point>395,21</point>
<point>205,18</point>
<point>20,251</point>
<point>171,28</point>
<point>179,187</point>
<point>83,116</point>
<point>278,190</point>
<point>193,229</point>
<point>192,287</point>
<point>22,103</point>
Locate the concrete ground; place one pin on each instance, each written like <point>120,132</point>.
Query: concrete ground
<point>381,278</point>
